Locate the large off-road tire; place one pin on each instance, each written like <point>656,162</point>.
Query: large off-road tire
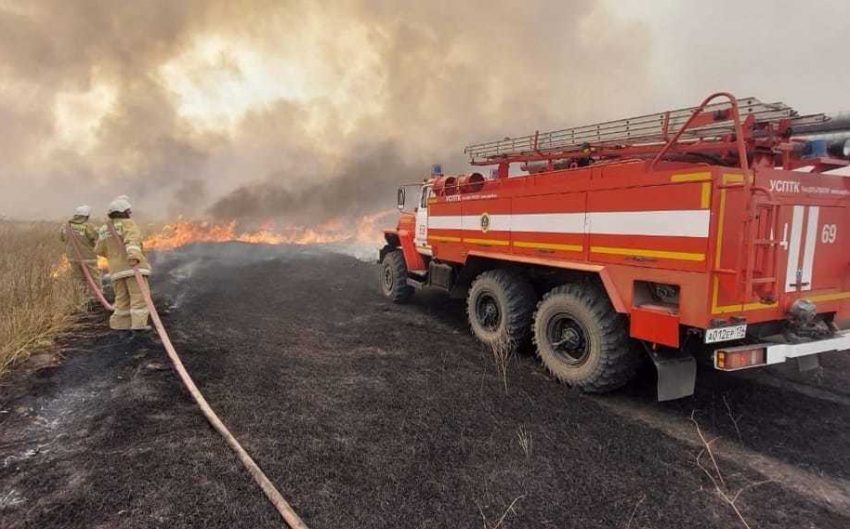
<point>394,277</point>
<point>582,340</point>
<point>500,305</point>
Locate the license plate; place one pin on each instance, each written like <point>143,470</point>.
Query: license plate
<point>724,334</point>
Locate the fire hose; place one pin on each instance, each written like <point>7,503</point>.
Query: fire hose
<point>283,507</point>
<point>71,235</point>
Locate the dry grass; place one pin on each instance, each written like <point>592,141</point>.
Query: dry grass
<point>38,298</point>
<point>524,438</point>
<point>498,524</point>
<point>721,486</point>
<point>502,352</point>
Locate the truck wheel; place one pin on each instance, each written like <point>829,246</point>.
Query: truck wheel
<point>394,277</point>
<point>500,306</point>
<point>582,340</point>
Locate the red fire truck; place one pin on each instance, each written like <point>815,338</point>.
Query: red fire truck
<point>714,232</point>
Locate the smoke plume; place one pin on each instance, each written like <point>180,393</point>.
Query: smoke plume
<point>295,111</point>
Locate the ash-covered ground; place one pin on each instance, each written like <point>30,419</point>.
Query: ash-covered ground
<point>368,414</point>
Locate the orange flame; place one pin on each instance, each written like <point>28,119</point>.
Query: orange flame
<point>64,266</point>
<point>61,268</point>
<point>363,230</point>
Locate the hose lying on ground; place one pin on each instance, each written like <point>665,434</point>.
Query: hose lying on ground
<point>279,502</point>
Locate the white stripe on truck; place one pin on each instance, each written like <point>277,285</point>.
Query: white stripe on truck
<point>665,223</point>
<point>794,248</point>
<point>811,244</point>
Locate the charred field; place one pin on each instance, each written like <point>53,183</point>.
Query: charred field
<point>368,414</point>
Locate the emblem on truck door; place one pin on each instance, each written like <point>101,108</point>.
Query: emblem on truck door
<point>485,222</point>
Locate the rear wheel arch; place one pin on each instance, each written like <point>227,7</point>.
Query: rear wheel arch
<point>471,269</point>
<point>542,277</point>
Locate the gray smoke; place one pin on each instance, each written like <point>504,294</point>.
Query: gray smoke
<point>366,182</point>
<point>383,91</point>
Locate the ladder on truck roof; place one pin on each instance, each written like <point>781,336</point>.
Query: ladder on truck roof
<point>649,130</point>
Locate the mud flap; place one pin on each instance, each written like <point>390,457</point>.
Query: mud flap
<point>808,363</point>
<point>677,374</point>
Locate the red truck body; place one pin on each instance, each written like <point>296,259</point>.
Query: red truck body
<point>731,242</point>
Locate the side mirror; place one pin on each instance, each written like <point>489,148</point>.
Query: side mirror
<point>401,198</point>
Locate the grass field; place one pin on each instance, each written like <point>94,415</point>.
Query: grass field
<point>38,298</point>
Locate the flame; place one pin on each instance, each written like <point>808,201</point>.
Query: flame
<point>363,230</point>
<point>64,266</point>
<point>61,268</point>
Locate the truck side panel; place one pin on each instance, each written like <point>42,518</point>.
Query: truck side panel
<point>659,226</point>
<point>487,223</point>
<point>445,235</point>
<point>684,227</point>
<point>550,226</point>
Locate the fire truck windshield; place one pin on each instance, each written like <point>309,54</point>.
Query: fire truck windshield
<point>408,197</point>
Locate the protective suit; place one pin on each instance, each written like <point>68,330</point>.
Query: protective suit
<point>131,312</point>
<point>86,237</point>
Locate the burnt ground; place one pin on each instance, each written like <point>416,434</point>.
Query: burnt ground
<point>367,414</point>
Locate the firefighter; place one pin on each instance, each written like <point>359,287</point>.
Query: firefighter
<point>131,312</point>
<point>83,252</point>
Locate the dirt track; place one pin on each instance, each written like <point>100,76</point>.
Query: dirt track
<point>367,414</point>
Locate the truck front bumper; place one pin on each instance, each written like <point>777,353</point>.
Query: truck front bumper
<point>746,356</point>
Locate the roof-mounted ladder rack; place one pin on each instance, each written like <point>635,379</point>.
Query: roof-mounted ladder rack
<point>645,130</point>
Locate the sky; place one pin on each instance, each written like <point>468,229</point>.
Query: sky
<point>779,50</point>
<point>304,111</point>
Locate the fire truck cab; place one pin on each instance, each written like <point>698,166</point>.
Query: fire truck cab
<point>713,232</point>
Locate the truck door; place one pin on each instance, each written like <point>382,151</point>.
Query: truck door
<point>421,237</point>
<point>815,242</point>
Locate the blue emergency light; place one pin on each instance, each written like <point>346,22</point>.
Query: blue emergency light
<point>815,149</point>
